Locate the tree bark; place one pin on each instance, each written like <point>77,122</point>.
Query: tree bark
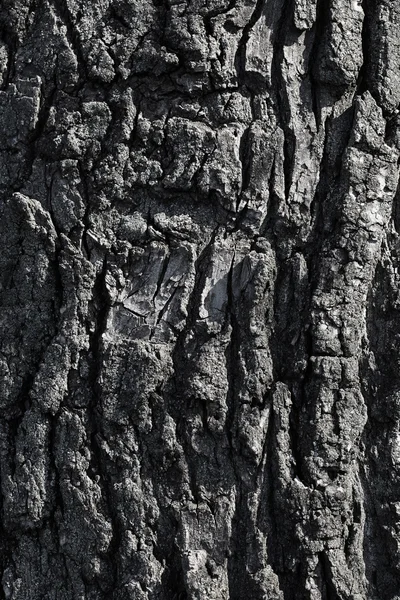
<point>200,300</point>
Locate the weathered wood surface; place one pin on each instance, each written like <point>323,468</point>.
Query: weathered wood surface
<point>199,300</point>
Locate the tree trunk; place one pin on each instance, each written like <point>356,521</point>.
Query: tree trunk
<point>200,300</point>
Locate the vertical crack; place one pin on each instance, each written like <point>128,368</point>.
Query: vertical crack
<point>240,57</point>
<point>327,587</point>
<point>101,308</point>
<point>62,11</point>
<point>366,43</point>
<point>319,28</point>
<point>279,89</point>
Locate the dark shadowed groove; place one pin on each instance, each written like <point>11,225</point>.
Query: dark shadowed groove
<point>319,27</point>
<point>280,92</point>
<point>240,57</point>
<point>101,305</point>
<point>328,589</point>
<point>366,38</point>
<point>11,41</point>
<point>62,11</point>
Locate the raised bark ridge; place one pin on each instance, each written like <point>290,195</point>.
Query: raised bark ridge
<point>199,291</point>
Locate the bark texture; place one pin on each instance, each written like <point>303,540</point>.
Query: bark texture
<point>200,299</point>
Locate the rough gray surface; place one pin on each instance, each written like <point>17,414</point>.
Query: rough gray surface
<point>200,300</point>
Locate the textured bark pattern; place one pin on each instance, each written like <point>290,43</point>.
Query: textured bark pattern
<point>200,299</point>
